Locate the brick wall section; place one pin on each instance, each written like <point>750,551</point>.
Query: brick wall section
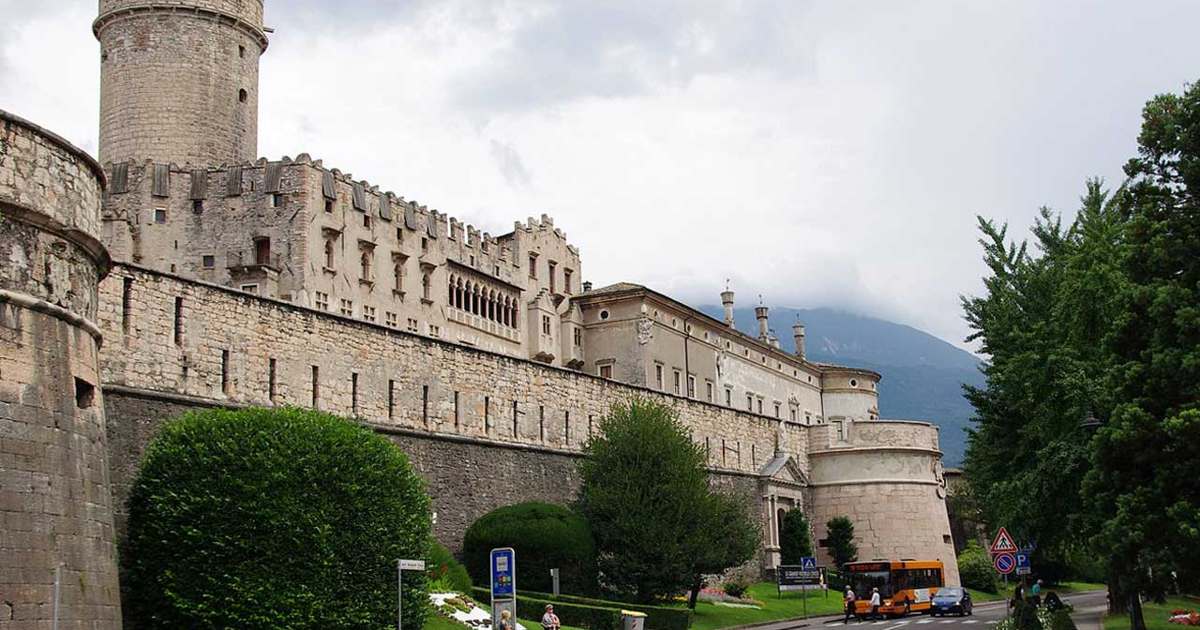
<point>172,77</point>
<point>55,503</point>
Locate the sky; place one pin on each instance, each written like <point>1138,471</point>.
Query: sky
<point>819,154</point>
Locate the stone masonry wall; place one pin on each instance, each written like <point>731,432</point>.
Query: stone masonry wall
<point>55,502</point>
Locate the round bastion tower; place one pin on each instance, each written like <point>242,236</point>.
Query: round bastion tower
<point>179,80</point>
<point>57,545</point>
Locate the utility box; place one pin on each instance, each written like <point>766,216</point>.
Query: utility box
<point>633,620</point>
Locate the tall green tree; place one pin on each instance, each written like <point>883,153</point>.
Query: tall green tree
<point>1042,321</point>
<point>1145,482</point>
<point>839,533</point>
<point>795,539</point>
<point>729,538</point>
<point>645,494</point>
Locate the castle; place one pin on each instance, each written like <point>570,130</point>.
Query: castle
<point>185,272</point>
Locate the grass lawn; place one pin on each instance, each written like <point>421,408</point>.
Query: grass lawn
<point>1156,615</point>
<point>709,616</point>
<point>980,597</point>
<point>1075,587</point>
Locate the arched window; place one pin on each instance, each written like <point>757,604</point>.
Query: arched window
<point>329,253</point>
<point>491,313</point>
<point>425,282</point>
<point>475,300</point>
<point>458,294</point>
<point>364,262</point>
<point>450,291</point>
<point>398,276</point>
<point>516,314</point>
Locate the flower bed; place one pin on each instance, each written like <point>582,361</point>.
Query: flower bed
<point>464,610</point>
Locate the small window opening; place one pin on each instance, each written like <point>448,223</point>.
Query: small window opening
<point>126,302</point>
<point>391,398</point>
<point>316,387</point>
<point>85,394</point>
<point>197,206</point>
<point>425,404</point>
<point>241,51</point>
<point>225,372</point>
<point>271,380</point>
<point>354,393</point>
<point>243,95</point>
<point>178,321</point>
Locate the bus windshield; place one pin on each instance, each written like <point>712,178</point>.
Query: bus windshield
<point>864,581</point>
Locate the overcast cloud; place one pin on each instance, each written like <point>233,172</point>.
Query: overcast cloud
<point>818,153</point>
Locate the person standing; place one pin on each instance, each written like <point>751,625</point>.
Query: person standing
<point>505,621</point>
<point>550,620</point>
<point>848,600</point>
<point>875,601</point>
<point>1036,592</point>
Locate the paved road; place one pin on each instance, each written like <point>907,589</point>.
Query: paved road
<point>1088,608</point>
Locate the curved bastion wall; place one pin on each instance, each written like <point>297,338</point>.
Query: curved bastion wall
<point>55,501</point>
<point>887,477</point>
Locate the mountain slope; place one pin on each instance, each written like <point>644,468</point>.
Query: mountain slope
<point>922,375</point>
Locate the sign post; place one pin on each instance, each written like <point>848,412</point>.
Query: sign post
<point>401,567</point>
<point>799,577</point>
<point>554,581</point>
<point>504,584</point>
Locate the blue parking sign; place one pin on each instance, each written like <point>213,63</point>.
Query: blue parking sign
<point>504,573</point>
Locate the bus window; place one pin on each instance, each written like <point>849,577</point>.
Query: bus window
<point>864,581</point>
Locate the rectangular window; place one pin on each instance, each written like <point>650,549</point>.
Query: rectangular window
<point>728,397</point>
<point>354,393</point>
<point>250,288</point>
<point>179,321</point>
<point>578,338</point>
<point>126,303</point>
<point>776,410</point>
<point>605,371</point>
<point>316,387</point>
<point>425,404</point>
<point>457,417</point>
<point>367,221</point>
<point>208,262</point>
<point>390,319</point>
<point>533,266</point>
<point>541,423</point>
<point>391,398</point>
<point>434,331</point>
<point>553,280</point>
<point>160,215</point>
<point>708,391</point>
<point>225,372</point>
<point>276,200</point>
<point>691,386</point>
<point>658,377</point>
<point>412,325</point>
<point>749,402</point>
<point>369,313</point>
<point>322,301</point>
<point>262,251</point>
<point>567,281</point>
<point>347,308</point>
<point>760,406</point>
<point>567,426</point>
<point>793,413</point>
<point>487,414</point>
<point>678,381</point>
<point>514,419</point>
<point>329,206</point>
<point>399,235</point>
<point>271,380</point>
<point>545,324</point>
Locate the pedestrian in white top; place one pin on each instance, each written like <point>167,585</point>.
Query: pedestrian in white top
<point>875,603</point>
<point>550,620</point>
<point>849,601</point>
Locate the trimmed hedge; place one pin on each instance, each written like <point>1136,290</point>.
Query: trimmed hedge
<point>273,518</point>
<point>975,569</point>
<point>657,617</point>
<point>545,536</point>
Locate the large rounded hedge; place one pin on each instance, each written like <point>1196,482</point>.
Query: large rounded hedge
<point>282,518</point>
<point>545,537</point>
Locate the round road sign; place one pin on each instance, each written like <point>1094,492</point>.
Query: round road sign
<point>1004,563</point>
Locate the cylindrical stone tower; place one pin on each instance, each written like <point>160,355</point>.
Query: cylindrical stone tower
<point>56,517</point>
<point>179,80</point>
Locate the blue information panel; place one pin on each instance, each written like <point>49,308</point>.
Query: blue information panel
<point>504,573</point>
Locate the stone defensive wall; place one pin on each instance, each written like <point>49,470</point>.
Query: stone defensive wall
<point>56,518</point>
<point>485,429</point>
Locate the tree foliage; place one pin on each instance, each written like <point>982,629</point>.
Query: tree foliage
<point>544,536</point>
<point>1101,316</point>
<point>795,539</point>
<point>645,494</point>
<point>975,568</point>
<point>839,532</point>
<point>282,518</point>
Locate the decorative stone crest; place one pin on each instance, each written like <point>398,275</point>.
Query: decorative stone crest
<point>645,330</point>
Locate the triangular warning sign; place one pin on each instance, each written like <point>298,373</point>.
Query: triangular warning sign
<point>1003,543</point>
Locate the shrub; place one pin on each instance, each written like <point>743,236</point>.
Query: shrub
<point>975,569</point>
<point>544,536</point>
<point>736,587</point>
<point>446,573</point>
<point>282,518</point>
<point>657,617</point>
<point>795,540</point>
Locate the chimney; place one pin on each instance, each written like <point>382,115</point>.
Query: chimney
<point>760,313</point>
<point>587,286</point>
<point>798,335</point>
<point>727,301</point>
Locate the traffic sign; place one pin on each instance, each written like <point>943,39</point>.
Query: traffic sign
<point>412,565</point>
<point>1005,563</point>
<point>1003,542</point>
<point>808,563</point>
<point>1023,564</point>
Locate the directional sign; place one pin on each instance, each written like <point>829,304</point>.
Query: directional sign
<point>808,563</point>
<point>1003,543</point>
<point>1004,563</point>
<point>412,565</point>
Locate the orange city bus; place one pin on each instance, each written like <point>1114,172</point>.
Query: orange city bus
<point>904,585</point>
